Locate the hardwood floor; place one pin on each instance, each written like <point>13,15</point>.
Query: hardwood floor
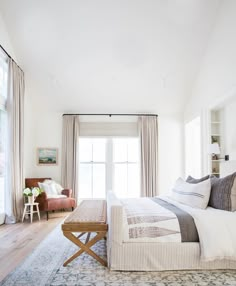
<point>18,240</point>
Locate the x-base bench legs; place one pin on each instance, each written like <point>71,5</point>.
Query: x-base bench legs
<point>85,247</point>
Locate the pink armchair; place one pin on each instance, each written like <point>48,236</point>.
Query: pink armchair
<point>50,204</point>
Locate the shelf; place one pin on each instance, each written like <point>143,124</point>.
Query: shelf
<point>216,136</point>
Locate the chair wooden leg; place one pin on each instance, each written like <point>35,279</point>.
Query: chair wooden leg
<point>72,209</point>
<point>47,215</point>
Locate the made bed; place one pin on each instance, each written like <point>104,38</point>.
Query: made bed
<point>165,248</point>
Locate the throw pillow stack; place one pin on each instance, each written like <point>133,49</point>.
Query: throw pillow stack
<point>219,193</point>
<point>51,188</point>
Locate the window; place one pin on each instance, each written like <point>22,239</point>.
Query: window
<point>109,164</point>
<point>126,167</point>
<point>92,169</point>
<point>3,129</point>
<point>193,148</point>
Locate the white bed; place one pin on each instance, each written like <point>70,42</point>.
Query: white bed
<point>151,256</point>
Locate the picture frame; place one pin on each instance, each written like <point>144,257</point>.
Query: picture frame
<point>47,156</point>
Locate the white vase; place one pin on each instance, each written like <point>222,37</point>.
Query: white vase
<point>31,199</point>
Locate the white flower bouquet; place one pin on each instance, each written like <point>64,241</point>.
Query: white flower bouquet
<point>32,192</point>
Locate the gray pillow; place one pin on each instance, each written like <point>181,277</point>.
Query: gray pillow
<point>191,180</point>
<point>223,193</point>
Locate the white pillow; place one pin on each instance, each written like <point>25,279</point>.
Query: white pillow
<point>59,188</point>
<point>194,195</point>
<point>49,189</point>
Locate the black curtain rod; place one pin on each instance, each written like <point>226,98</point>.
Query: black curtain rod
<point>10,57</point>
<point>110,114</point>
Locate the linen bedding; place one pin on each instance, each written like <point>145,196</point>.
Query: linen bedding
<point>155,220</point>
<point>162,219</point>
<point>216,230</point>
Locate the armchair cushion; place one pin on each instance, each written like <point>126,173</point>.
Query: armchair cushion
<point>56,196</point>
<point>49,189</point>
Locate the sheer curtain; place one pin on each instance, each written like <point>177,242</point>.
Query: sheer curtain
<point>70,151</point>
<point>15,130</point>
<point>148,132</point>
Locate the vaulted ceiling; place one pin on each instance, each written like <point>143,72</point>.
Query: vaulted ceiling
<point>110,55</point>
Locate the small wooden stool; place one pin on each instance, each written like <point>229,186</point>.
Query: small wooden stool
<point>29,209</point>
<point>89,216</point>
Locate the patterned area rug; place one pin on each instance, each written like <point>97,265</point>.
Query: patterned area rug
<point>44,267</point>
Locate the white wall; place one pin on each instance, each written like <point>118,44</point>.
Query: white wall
<point>4,39</point>
<point>43,128</point>
<point>217,76</point>
<point>230,130</point>
<point>216,81</point>
<point>170,150</point>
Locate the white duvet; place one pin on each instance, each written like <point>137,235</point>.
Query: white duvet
<point>216,230</point>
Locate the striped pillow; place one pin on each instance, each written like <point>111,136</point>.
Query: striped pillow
<point>194,195</point>
<point>223,193</point>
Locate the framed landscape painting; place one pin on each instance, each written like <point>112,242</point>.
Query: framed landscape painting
<point>47,156</point>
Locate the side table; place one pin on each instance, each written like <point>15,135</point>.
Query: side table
<point>29,209</point>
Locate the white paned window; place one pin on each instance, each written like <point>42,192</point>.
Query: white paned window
<point>126,171</point>
<point>109,164</point>
<point>92,168</point>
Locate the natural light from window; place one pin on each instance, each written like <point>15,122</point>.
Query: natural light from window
<point>109,164</point>
<point>3,129</point>
<point>126,167</point>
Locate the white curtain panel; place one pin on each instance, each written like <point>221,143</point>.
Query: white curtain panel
<point>15,112</point>
<point>148,132</point>
<point>70,151</point>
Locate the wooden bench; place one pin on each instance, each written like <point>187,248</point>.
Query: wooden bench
<point>90,216</point>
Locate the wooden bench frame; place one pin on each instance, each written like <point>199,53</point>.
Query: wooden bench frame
<point>69,230</point>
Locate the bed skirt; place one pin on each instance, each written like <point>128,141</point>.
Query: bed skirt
<point>160,257</point>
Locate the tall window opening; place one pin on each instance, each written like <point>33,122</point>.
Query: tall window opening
<point>3,129</point>
<point>109,164</point>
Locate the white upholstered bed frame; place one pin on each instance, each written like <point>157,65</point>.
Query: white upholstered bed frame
<point>151,256</point>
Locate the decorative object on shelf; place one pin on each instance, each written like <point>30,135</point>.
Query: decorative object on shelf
<point>214,139</point>
<point>47,156</point>
<point>31,194</point>
<point>214,150</point>
<point>226,157</point>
